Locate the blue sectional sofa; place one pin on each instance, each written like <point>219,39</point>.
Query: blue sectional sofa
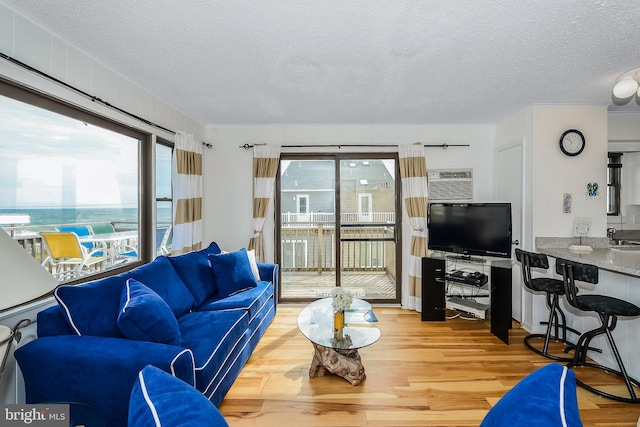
<point>197,316</point>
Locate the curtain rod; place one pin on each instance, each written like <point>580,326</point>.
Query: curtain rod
<point>88,95</point>
<point>444,146</point>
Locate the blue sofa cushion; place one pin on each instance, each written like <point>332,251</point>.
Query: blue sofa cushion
<point>232,271</point>
<point>159,399</point>
<point>195,270</point>
<point>144,316</point>
<point>212,249</point>
<point>546,397</point>
<point>92,308</point>
<point>212,336</point>
<point>251,300</point>
<point>160,276</point>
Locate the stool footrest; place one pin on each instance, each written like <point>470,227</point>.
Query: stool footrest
<point>633,397</point>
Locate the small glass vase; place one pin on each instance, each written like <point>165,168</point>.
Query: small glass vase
<point>338,320</point>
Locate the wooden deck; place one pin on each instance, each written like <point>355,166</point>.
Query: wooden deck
<point>372,286</point>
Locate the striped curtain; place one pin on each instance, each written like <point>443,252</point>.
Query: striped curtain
<point>265,167</point>
<point>413,173</point>
<point>187,194</point>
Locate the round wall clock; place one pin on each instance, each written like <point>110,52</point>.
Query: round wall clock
<point>572,142</point>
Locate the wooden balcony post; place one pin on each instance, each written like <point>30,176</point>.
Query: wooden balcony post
<point>320,233</point>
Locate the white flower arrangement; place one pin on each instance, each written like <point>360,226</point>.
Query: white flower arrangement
<point>342,298</point>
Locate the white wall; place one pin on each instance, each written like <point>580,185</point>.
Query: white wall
<point>548,174</point>
<point>556,173</point>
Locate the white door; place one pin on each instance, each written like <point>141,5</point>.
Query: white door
<point>302,207</point>
<point>509,189</point>
<point>364,207</point>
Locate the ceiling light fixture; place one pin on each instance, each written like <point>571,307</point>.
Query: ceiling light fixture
<point>627,85</point>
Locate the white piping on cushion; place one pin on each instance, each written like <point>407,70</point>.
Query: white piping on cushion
<point>260,309</point>
<point>563,378</point>
<point>193,363</point>
<point>152,407</point>
<point>221,341</point>
<point>213,378</point>
<point>126,304</point>
<point>66,309</point>
<point>238,355</point>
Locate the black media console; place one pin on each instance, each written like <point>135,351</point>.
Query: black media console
<point>434,291</point>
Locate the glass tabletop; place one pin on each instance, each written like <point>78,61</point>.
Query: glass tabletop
<point>315,321</point>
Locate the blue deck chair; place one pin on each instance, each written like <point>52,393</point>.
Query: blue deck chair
<point>163,240</point>
<point>81,231</point>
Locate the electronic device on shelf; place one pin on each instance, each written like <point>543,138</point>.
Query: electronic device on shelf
<point>474,278</point>
<point>468,229</point>
<point>477,309</point>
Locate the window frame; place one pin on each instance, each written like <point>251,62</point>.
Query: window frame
<point>614,181</point>
<point>146,165</point>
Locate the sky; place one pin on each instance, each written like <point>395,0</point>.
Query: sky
<point>48,160</point>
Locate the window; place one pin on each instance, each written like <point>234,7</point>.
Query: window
<point>614,173</point>
<point>164,201</point>
<point>68,171</point>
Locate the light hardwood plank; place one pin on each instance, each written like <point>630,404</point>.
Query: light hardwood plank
<point>418,374</point>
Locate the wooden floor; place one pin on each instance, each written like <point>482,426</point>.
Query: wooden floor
<point>418,374</point>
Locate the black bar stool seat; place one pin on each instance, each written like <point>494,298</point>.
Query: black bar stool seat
<point>608,309</point>
<point>553,288</point>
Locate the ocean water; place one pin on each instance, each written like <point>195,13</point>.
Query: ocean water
<point>121,217</point>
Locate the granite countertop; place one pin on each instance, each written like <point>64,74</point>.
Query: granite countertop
<point>603,256</point>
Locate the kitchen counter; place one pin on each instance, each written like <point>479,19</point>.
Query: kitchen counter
<point>603,256</point>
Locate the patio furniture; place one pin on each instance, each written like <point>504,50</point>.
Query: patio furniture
<point>80,230</point>
<point>67,257</point>
<point>163,240</point>
<point>103,228</point>
<point>116,247</point>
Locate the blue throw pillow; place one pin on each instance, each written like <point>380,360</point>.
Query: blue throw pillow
<point>144,316</point>
<point>159,399</point>
<point>195,271</point>
<point>92,308</point>
<point>546,397</point>
<point>160,276</point>
<point>232,271</point>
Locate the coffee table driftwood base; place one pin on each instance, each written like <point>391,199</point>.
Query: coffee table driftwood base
<point>336,350</point>
<point>343,363</point>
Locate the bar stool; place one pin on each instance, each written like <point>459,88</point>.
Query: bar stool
<point>553,288</point>
<point>608,309</point>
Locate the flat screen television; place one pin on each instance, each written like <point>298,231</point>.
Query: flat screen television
<point>468,229</point>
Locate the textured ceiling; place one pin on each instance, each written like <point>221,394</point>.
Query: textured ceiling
<point>356,62</point>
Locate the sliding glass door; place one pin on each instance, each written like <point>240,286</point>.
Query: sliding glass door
<point>338,226</point>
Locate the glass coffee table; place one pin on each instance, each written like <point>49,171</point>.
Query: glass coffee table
<point>336,351</point>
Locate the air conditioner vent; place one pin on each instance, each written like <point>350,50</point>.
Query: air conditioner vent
<point>450,184</point>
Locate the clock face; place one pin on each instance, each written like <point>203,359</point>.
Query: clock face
<point>572,142</point>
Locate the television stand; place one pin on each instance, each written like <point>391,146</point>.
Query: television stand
<point>434,285</point>
<point>467,258</point>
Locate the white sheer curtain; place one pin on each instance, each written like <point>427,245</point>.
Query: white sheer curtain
<point>187,194</point>
<point>265,167</point>
<point>415,194</point>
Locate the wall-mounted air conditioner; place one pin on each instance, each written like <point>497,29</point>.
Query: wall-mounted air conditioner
<point>450,184</point>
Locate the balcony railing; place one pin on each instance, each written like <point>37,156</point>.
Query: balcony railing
<point>364,246</point>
